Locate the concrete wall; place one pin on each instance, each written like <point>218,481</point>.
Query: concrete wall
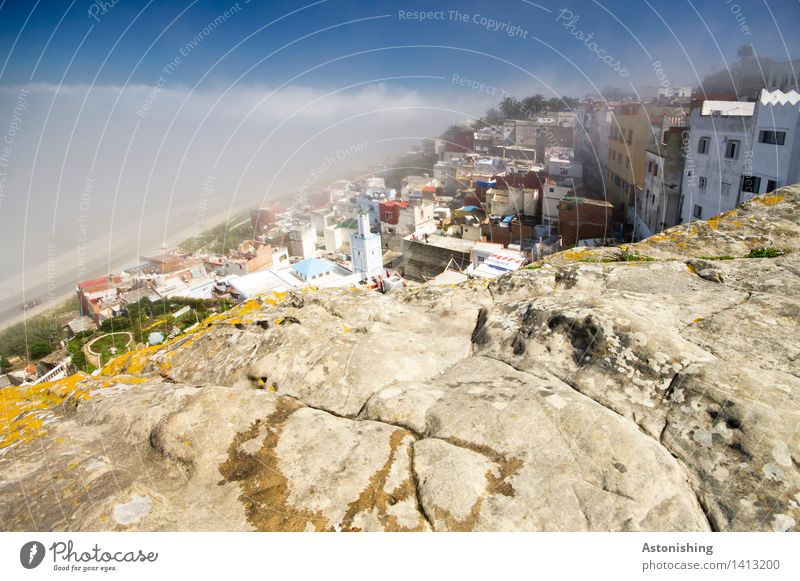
<point>780,163</point>
<point>659,203</point>
<point>713,166</point>
<point>424,261</point>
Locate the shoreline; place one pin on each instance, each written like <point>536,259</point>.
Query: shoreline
<point>14,315</point>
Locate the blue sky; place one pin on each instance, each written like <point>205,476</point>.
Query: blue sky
<point>355,27</point>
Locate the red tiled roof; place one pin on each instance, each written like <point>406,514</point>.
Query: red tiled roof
<point>93,282</point>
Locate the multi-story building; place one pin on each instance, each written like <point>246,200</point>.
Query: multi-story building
<point>553,192</point>
<point>775,159</point>
<point>675,92</point>
<point>302,241</point>
<point>250,257</point>
<point>539,134</point>
<point>401,219</point>
<point>658,205</point>
<point>591,132</point>
<point>445,176</point>
<point>98,298</point>
<point>717,156</point>
<point>738,150</point>
<point>632,127</point>
<point>561,163</point>
<point>486,138</point>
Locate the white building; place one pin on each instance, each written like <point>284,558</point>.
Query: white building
<point>413,184</point>
<point>376,183</point>
<point>320,273</point>
<point>486,138</point>
<point>445,176</point>
<point>481,251</point>
<point>675,92</point>
<point>739,150</point>
<point>718,151</point>
<point>658,206</point>
<point>591,132</point>
<point>512,201</point>
<point>489,261</point>
<point>553,193</point>
<point>333,238</point>
<point>561,162</point>
<point>347,208</point>
<point>321,219</point>
<point>775,160</point>
<point>365,249</point>
<point>405,218</point>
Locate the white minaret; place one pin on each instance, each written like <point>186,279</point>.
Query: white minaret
<point>365,249</point>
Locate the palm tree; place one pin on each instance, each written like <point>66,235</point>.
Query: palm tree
<point>510,108</point>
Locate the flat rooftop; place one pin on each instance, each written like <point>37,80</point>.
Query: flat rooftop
<point>454,244</point>
<point>728,108</point>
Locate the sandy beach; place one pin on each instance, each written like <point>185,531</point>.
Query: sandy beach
<point>53,291</point>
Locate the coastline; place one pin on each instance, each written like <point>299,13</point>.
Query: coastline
<point>55,297</point>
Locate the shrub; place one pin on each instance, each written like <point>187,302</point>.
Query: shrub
<point>627,255</point>
<point>765,252</point>
<point>39,349</point>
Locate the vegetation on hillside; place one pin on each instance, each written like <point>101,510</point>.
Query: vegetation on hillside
<point>38,336</point>
<point>223,237</point>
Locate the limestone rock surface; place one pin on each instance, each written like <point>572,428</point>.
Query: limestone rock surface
<point>655,387</point>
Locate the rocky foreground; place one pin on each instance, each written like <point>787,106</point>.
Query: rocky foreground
<point>599,390</point>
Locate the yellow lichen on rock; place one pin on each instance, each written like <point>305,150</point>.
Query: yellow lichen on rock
<point>769,200</point>
<point>23,407</point>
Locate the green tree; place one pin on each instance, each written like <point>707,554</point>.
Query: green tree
<point>532,105</point>
<point>510,108</point>
<point>40,348</point>
<point>494,117</point>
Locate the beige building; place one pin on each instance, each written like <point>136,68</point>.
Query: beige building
<point>630,133</point>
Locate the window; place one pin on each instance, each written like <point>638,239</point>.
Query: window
<point>387,215</point>
<point>627,162</point>
<point>772,137</point>
<point>732,150</point>
<point>630,135</point>
<point>702,145</point>
<point>771,185</point>
<point>751,184</point>
<point>702,183</point>
<point>655,169</point>
<point>697,212</point>
<point>725,190</point>
<point>649,167</point>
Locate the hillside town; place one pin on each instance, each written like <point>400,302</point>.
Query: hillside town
<point>497,197</point>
